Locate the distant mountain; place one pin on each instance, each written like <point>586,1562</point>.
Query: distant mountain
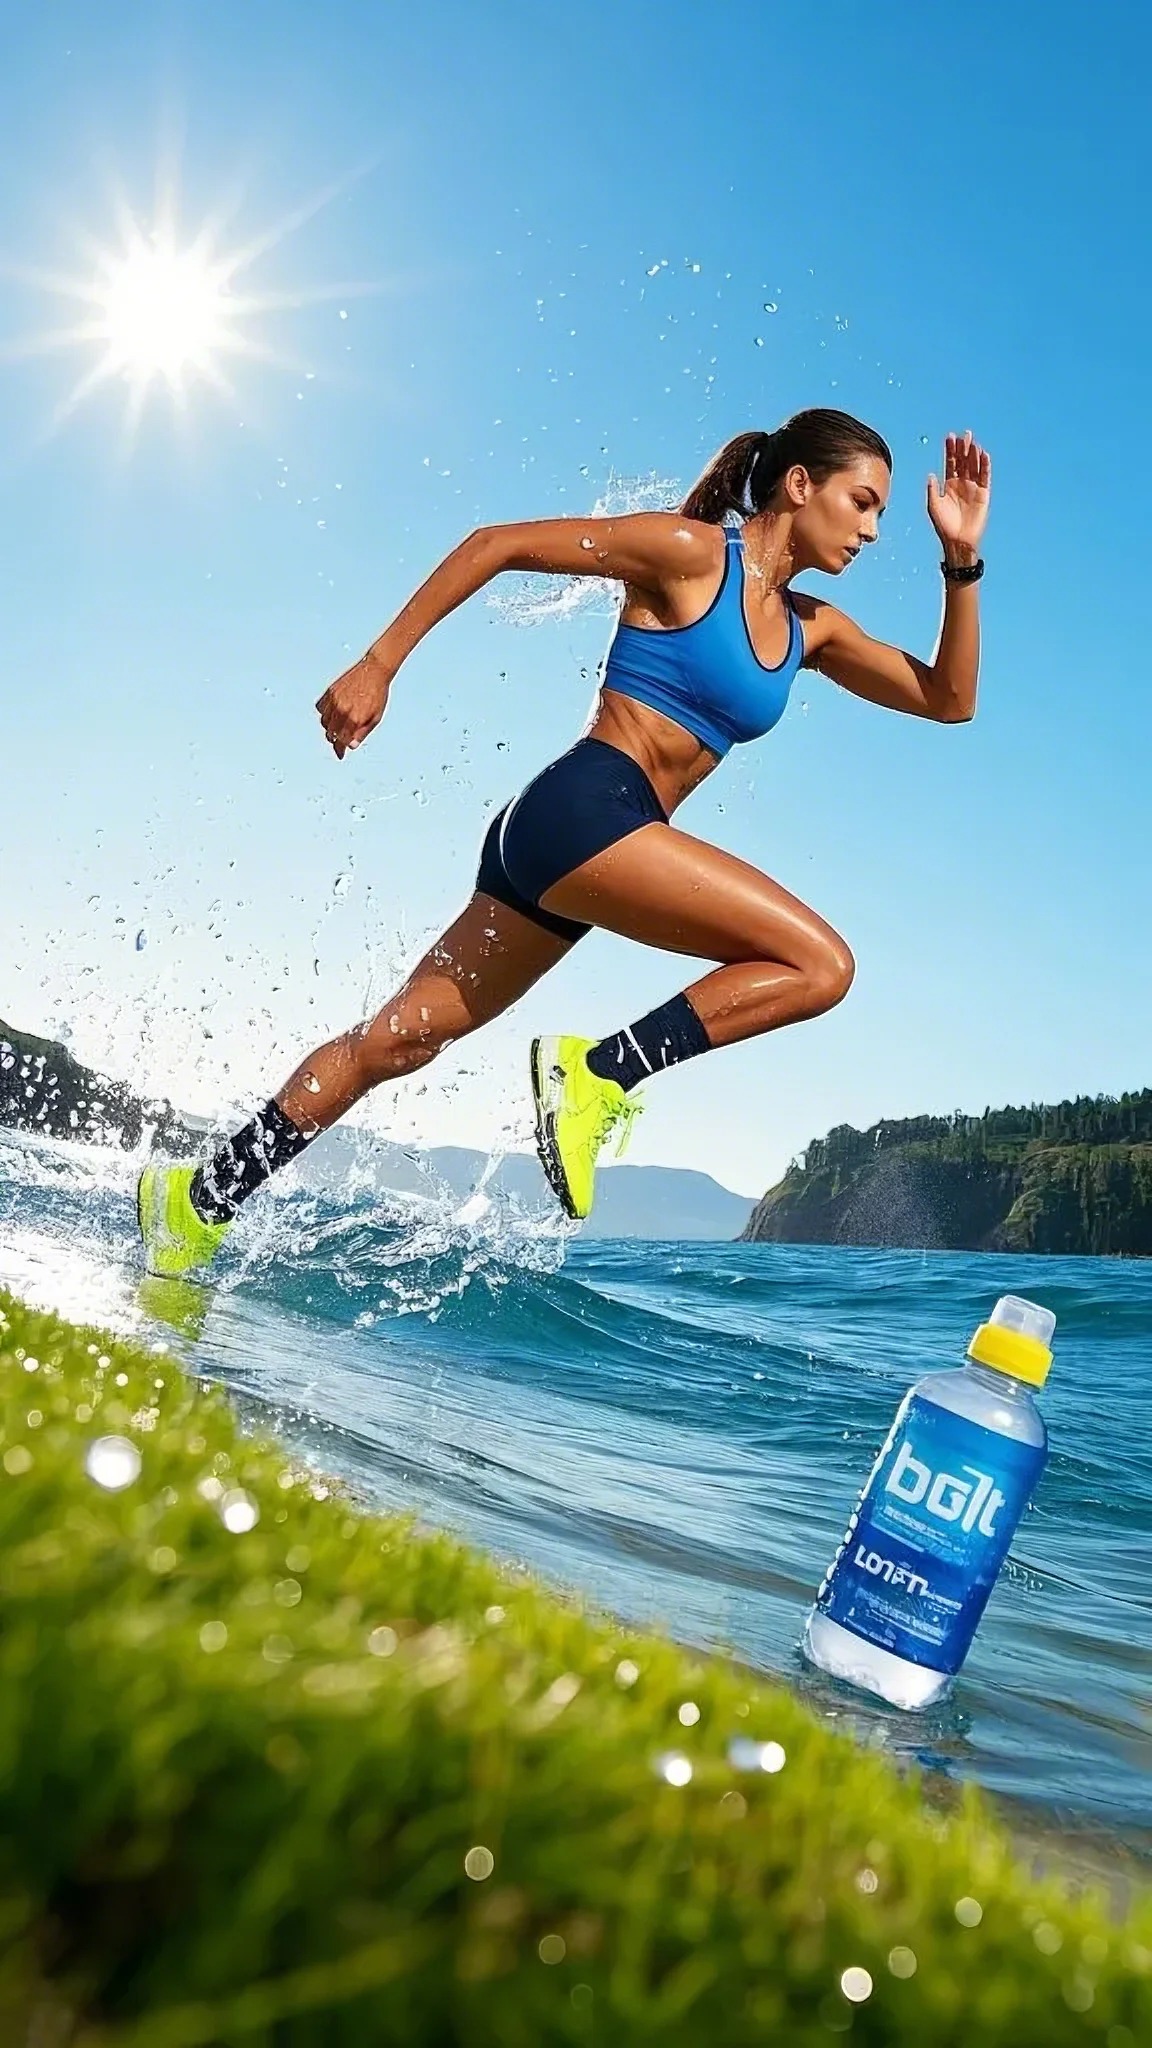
<point>668,1202</point>
<point>1066,1177</point>
<point>43,1088</point>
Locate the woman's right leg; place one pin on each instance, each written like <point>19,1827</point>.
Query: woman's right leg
<point>477,969</point>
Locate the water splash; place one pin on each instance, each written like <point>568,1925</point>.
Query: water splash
<point>370,1255</point>
<point>536,600</point>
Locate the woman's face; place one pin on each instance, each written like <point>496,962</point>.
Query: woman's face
<point>837,518</point>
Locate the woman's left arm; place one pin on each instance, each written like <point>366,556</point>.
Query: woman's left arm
<point>945,688</point>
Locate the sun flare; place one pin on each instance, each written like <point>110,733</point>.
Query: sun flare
<point>161,311</point>
<point>165,312</point>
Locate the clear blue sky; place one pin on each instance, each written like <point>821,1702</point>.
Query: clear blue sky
<point>949,212</point>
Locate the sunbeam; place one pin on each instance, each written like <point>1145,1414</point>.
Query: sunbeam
<point>158,311</point>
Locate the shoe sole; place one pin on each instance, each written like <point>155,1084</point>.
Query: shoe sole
<point>146,1199</point>
<point>545,1094</point>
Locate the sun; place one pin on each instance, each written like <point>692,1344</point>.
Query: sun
<point>165,313</point>
<point>161,312</point>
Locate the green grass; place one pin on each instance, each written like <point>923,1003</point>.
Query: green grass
<point>330,1781</point>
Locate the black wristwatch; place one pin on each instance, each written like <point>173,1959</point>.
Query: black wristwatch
<point>962,572</point>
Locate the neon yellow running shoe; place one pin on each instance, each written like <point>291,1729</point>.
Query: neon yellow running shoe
<point>176,1239</point>
<point>575,1113</point>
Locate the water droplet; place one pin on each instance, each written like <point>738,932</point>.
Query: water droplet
<point>759,341</point>
<point>342,884</point>
<point>770,306</point>
<point>141,940</point>
<point>238,1511</point>
<point>745,1755</point>
<point>587,541</point>
<point>651,270</point>
<point>923,440</point>
<point>311,1084</point>
<point>856,1984</point>
<point>113,1462</point>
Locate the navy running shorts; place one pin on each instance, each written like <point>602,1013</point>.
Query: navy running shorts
<point>592,796</point>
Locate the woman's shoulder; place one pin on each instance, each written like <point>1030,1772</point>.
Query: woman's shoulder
<point>685,558</point>
<point>703,538</point>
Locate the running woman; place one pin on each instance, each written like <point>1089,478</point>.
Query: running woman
<point>708,645</point>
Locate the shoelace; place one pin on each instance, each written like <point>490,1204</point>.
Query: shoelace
<point>623,1113</point>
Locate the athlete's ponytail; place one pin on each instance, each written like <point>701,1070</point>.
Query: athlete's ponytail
<point>743,475</point>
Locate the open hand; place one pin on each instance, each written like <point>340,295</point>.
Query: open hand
<point>354,704</point>
<point>958,509</point>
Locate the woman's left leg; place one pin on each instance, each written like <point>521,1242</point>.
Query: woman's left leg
<point>778,962</point>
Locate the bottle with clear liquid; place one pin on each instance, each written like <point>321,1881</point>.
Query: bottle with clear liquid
<point>902,1598</point>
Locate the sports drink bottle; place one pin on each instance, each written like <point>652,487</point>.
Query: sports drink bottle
<point>901,1600</point>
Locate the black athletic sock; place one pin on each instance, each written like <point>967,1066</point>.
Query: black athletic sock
<point>244,1163</point>
<point>661,1039</point>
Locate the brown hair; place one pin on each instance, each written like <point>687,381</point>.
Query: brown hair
<point>745,472</point>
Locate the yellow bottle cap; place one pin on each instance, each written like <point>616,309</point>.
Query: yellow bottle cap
<point>1015,1340</point>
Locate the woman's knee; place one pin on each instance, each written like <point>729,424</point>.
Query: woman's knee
<point>832,973</point>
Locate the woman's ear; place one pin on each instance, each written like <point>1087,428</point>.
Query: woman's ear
<point>798,484</point>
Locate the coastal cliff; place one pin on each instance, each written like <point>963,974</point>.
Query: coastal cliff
<point>1071,1177</point>
<point>43,1088</point>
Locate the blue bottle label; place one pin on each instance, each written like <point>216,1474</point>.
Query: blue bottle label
<point>929,1534</point>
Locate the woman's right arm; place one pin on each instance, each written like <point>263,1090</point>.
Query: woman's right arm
<point>649,549</point>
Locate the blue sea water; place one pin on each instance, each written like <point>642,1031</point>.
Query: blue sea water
<point>676,1431</point>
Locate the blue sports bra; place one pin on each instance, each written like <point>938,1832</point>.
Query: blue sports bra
<point>708,676</point>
